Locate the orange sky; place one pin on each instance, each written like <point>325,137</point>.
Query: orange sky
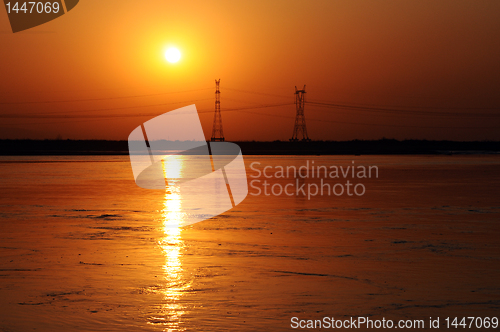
<point>436,62</point>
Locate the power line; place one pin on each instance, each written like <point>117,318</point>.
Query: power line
<point>366,124</point>
<point>137,115</point>
<point>390,110</point>
<point>42,116</point>
<point>246,108</point>
<point>241,101</point>
<point>399,111</point>
<point>258,93</point>
<point>96,99</point>
<point>401,107</point>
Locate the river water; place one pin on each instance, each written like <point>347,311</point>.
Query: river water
<point>82,248</point>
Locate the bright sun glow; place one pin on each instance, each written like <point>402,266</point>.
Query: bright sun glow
<point>173,55</point>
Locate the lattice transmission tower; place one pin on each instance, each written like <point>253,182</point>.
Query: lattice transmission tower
<point>217,132</point>
<point>300,119</point>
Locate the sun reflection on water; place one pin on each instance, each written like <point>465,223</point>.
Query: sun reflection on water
<point>172,245</point>
<point>172,167</point>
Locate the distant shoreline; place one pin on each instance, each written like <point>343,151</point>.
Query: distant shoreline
<point>354,147</point>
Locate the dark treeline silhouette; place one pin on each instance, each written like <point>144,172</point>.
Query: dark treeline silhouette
<point>354,147</point>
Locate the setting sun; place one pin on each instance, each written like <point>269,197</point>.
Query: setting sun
<point>172,55</point>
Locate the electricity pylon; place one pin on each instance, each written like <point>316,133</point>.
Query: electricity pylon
<point>217,132</point>
<point>300,119</point>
